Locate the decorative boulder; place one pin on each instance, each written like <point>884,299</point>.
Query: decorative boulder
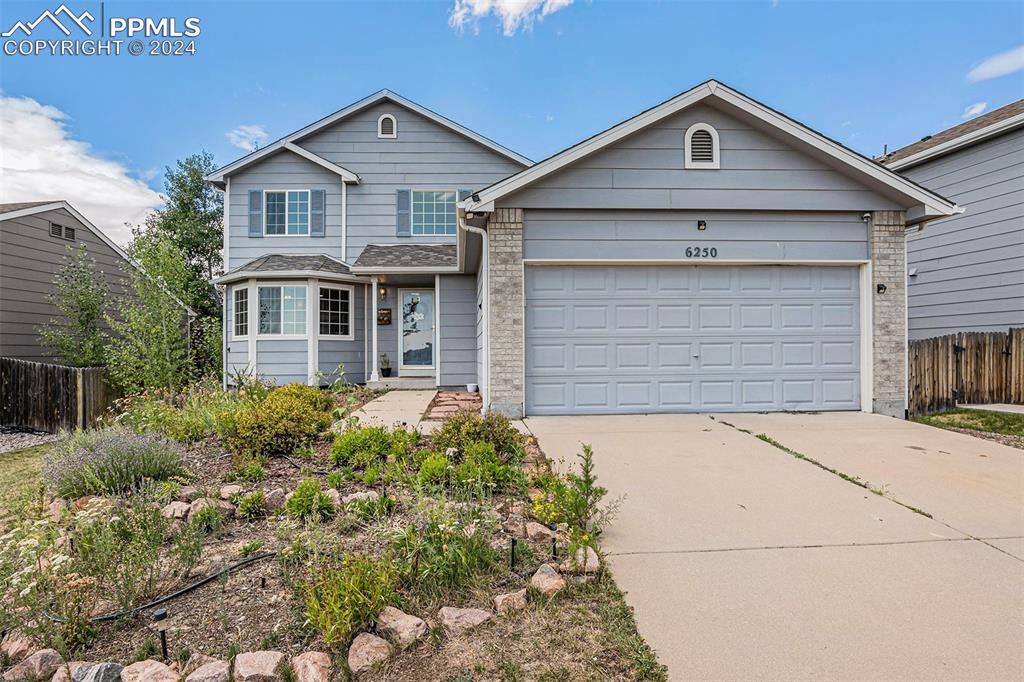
<point>229,491</point>
<point>66,672</point>
<point>365,495</point>
<point>188,493</point>
<point>402,627</point>
<point>175,510</point>
<point>312,666</point>
<point>148,671</point>
<point>39,666</point>
<point>585,562</point>
<point>197,661</point>
<point>15,647</point>
<point>274,499</point>
<point>515,525</point>
<point>210,671</point>
<point>367,651</point>
<point>513,601</point>
<point>203,502</point>
<point>539,532</point>
<point>334,496</point>
<point>258,666</point>
<point>547,581</point>
<point>456,621</point>
<point>101,672</point>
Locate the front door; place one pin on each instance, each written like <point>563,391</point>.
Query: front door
<point>417,339</point>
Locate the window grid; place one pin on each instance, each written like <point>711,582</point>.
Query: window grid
<point>334,311</point>
<point>241,312</point>
<point>276,215</point>
<point>433,213</point>
<point>298,212</point>
<point>283,310</point>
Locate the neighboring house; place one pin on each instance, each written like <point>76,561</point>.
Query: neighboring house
<point>709,254</point>
<point>966,273</point>
<point>34,238</point>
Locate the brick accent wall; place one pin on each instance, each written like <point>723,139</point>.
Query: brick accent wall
<point>889,312</point>
<point>505,310</point>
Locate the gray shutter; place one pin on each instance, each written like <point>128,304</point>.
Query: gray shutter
<point>317,207</point>
<point>465,194</point>
<point>403,213</point>
<point>255,213</point>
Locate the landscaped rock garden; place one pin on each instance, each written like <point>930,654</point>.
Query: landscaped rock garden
<point>263,534</point>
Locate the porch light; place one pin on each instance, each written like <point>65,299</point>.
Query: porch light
<point>383,293</point>
<point>702,225</point>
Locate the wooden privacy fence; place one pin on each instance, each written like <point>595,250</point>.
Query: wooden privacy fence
<point>51,397</point>
<point>969,367</point>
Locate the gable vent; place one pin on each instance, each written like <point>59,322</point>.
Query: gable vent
<point>702,147</point>
<point>56,231</point>
<point>386,126</point>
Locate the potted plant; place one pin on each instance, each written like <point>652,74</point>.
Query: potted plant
<point>385,365</point>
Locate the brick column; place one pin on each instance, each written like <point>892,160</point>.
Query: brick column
<point>889,312</point>
<point>505,311</point>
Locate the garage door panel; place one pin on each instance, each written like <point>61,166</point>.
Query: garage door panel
<point>633,339</point>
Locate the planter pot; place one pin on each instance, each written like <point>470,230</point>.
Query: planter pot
<point>472,388</point>
<point>385,372</point>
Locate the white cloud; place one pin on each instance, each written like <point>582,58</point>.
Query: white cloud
<point>997,65</point>
<point>513,14</point>
<point>974,109</point>
<point>40,160</point>
<point>249,138</point>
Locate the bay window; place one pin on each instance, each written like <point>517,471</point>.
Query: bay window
<point>241,311</point>
<point>283,310</point>
<point>335,311</point>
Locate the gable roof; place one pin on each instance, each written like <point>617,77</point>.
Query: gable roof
<point>924,203</point>
<point>17,210</point>
<point>995,122</point>
<point>288,141</point>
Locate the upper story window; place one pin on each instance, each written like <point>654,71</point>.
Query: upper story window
<point>387,126</point>
<point>62,232</point>
<point>702,147</point>
<point>335,311</point>
<point>433,212</point>
<point>283,310</point>
<point>287,213</point>
<point>241,307</point>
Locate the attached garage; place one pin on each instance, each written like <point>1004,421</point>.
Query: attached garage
<point>615,339</point>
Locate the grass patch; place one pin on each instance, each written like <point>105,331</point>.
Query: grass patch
<point>20,475</point>
<point>976,420</point>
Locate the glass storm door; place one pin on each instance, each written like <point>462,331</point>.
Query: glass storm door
<point>417,328</point>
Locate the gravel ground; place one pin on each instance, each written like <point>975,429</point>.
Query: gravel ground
<point>18,439</point>
<point>1004,438</point>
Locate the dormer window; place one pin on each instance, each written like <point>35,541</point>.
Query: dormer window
<point>702,147</point>
<point>387,126</point>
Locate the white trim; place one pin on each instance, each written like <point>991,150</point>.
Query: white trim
<point>309,212</point>
<point>61,204</point>
<point>366,336</point>
<point>437,326</point>
<point>351,311</point>
<point>964,140</point>
<point>231,291</point>
<point>219,174</point>
<point>372,270</point>
<point>253,326</point>
<point>284,274</point>
<point>227,225</point>
<point>867,336</point>
<point>346,174</point>
<point>394,127</point>
<point>937,205</point>
<point>401,334</point>
<point>344,222</point>
<point>312,332</point>
<point>374,374</point>
<point>688,162</point>
<point>226,256</point>
<point>688,261</point>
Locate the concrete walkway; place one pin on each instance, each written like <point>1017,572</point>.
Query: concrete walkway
<point>996,407</point>
<point>745,562</point>
<point>396,407</point>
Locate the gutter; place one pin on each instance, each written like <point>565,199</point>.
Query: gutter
<point>485,380</point>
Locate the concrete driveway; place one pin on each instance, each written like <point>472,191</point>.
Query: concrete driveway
<point>744,561</point>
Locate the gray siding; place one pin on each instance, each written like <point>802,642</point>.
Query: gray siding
<point>29,259</point>
<point>351,353</point>
<point>282,361</point>
<point>282,171</point>
<point>458,330</point>
<point>970,268</point>
<point>481,295</point>
<point>646,171</point>
<point>747,235</point>
<point>424,156</point>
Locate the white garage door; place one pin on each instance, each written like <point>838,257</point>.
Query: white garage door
<point>636,339</point>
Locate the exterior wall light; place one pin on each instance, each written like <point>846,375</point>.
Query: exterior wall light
<point>383,293</point>
<point>702,225</point>
<point>881,288</point>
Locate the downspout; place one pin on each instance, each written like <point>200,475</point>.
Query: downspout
<point>485,380</point>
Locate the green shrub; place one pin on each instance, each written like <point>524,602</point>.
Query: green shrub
<point>278,424</point>
<point>345,597</point>
<point>446,554</point>
<point>371,475</point>
<point>434,469</point>
<point>403,443</point>
<point>309,502</point>
<point>373,509</point>
<point>482,474</point>
<point>335,480</point>
<point>251,506</point>
<point>109,462</point>
<point>252,471</point>
<point>250,548</point>
<point>188,417</point>
<point>207,519</point>
<point>466,427</point>
<point>311,395</point>
<point>361,446</point>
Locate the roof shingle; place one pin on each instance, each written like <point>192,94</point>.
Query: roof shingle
<point>11,208</point>
<point>277,263</point>
<point>408,256</point>
<point>983,121</point>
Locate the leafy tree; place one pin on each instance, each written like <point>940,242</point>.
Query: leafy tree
<point>193,217</point>
<point>81,297</point>
<point>151,347</point>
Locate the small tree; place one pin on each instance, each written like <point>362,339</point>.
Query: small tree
<point>150,349</point>
<point>77,337</point>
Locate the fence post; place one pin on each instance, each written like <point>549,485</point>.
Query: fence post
<point>80,391</point>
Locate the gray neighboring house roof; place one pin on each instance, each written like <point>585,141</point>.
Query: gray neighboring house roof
<point>273,264</point>
<point>404,256</point>
<point>977,129</point>
<point>11,208</point>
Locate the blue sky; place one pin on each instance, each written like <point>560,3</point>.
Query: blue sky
<point>867,74</point>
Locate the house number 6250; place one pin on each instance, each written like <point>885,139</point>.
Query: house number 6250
<point>701,252</point>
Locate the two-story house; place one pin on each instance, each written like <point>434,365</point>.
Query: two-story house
<point>707,254</point>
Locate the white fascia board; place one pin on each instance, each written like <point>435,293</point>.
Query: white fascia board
<point>973,137</point>
<point>370,270</point>
<point>57,205</point>
<point>218,175</point>
<point>346,174</point>
<point>286,274</point>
